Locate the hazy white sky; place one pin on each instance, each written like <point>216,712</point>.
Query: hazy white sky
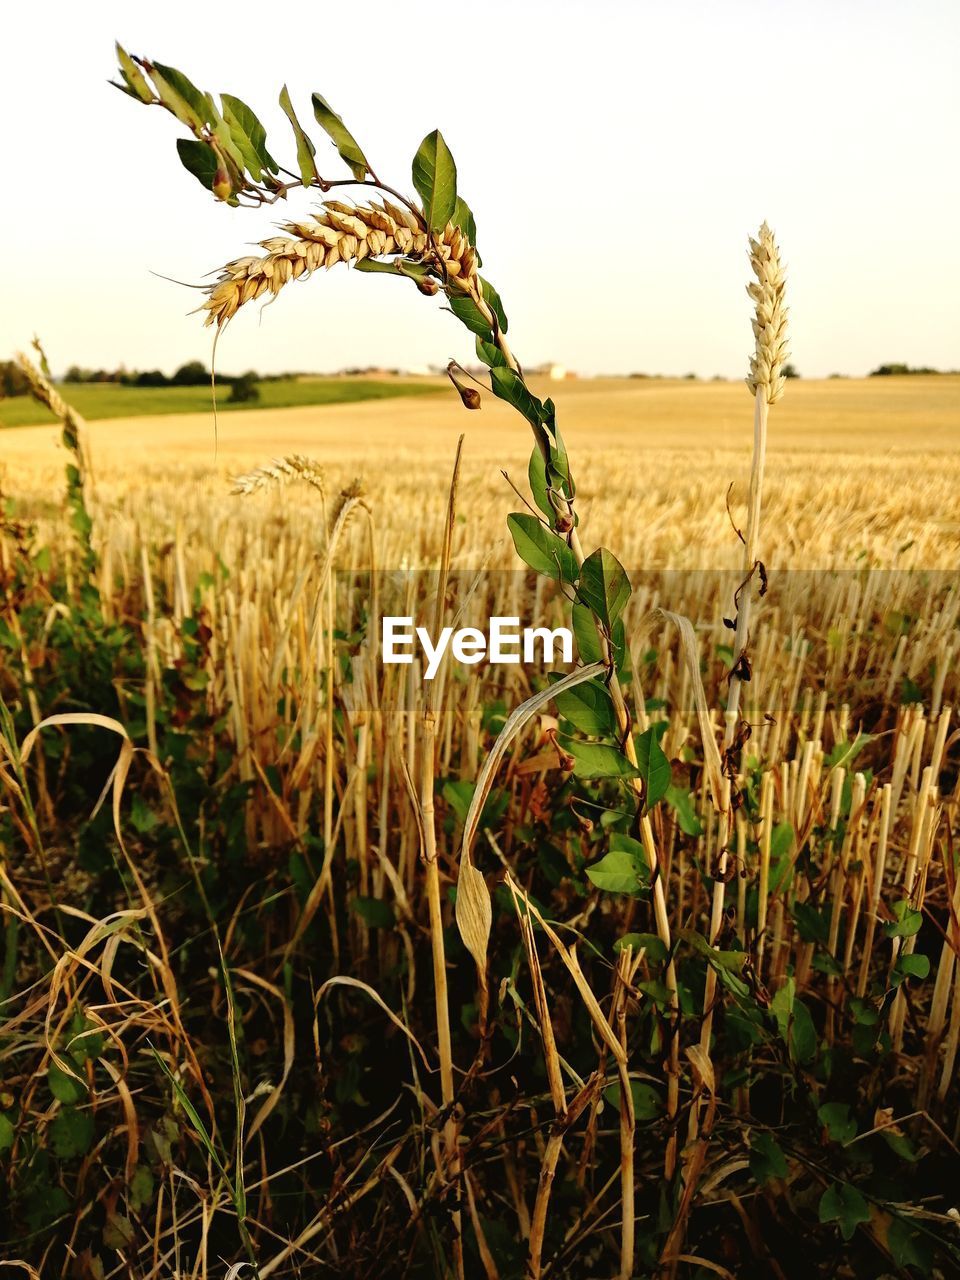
<point>616,156</point>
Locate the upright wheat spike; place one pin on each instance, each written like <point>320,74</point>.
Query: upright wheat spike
<point>770,320</point>
<point>766,382</point>
<point>340,233</point>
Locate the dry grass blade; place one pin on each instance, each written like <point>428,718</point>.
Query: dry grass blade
<point>473,909</point>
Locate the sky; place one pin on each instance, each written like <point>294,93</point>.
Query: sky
<point>616,154</point>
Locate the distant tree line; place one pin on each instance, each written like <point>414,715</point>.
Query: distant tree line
<point>192,374</point>
<point>898,370</point>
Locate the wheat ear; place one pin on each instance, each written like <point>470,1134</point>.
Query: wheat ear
<point>340,232</point>
<point>280,471</point>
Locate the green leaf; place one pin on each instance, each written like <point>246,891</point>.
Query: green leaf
<point>464,219</point>
<point>435,180</point>
<point>914,966</point>
<point>803,1034</point>
<point>647,1103</point>
<point>588,707</point>
<point>393,267</point>
<point>844,1204</point>
<point>682,803</point>
<point>541,548</point>
<point>537,477</point>
<point>469,314</point>
<point>374,912</point>
<point>7,1133</point>
<point>781,1006</point>
<point>249,135</point>
<point>305,148</point>
<point>604,586</point>
<point>200,159</point>
<point>64,1088</point>
<point>845,752</point>
<point>647,942</point>
<point>492,299</point>
<point>907,922</point>
<point>781,845</point>
<point>794,1023</point>
<point>141,1187</point>
<point>137,86</point>
<point>118,1231</point>
<point>71,1133</point>
<point>588,642</point>
<point>597,760</point>
<point>509,386</point>
<point>342,138</point>
<point>836,1119</point>
<point>767,1160</point>
<point>900,1145</point>
<point>181,96</point>
<point>490,354</point>
<point>653,766</point>
<point>656,991</point>
<point>907,1246</point>
<point>619,871</point>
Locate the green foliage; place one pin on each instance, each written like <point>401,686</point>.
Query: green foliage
<point>653,767</point>
<point>604,586</point>
<point>347,146</point>
<point>435,180</point>
<point>541,548</point>
<point>589,708</point>
<point>597,760</point>
<point>842,1203</point>
<point>767,1160</point>
<point>245,389</point>
<point>623,870</point>
<point>305,148</point>
<point>906,922</point>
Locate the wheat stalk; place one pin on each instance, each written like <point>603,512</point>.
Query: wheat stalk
<point>341,232</point>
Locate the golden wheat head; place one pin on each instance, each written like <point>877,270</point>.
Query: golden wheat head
<point>770,320</point>
<point>338,232</point>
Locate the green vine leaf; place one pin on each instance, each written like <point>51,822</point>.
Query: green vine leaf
<point>346,144</point>
<point>541,548</point>
<point>305,148</point>
<point>598,760</point>
<point>464,219</point>
<point>508,385</point>
<point>589,708</point>
<point>604,586</point>
<point>619,871</point>
<point>435,180</point>
<point>843,1203</point>
<point>249,136</point>
<point>469,314</point>
<point>653,767</point>
<point>767,1160</point>
<point>200,159</point>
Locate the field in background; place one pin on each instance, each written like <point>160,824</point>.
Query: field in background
<point>268,812</point>
<point>860,472</point>
<point>107,400</point>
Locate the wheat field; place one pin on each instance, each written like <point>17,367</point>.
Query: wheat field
<point>244,1100</point>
